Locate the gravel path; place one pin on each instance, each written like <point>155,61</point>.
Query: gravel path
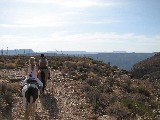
<point>63,100</point>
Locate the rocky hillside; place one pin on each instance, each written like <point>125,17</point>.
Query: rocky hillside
<point>80,89</point>
<point>148,68</point>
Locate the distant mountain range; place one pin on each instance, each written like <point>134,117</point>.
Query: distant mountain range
<point>17,52</point>
<point>122,59</point>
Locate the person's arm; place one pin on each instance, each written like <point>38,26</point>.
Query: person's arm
<point>37,67</point>
<point>39,62</point>
<point>46,62</point>
<point>27,69</point>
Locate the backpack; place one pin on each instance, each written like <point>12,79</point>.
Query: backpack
<point>43,62</point>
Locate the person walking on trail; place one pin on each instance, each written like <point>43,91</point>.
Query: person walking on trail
<point>31,73</point>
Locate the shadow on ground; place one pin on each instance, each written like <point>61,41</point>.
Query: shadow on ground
<point>6,99</point>
<point>49,103</point>
<point>7,113</point>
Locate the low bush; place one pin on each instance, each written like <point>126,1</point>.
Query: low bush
<point>2,66</point>
<point>91,75</point>
<point>6,92</point>
<point>118,110</point>
<point>10,65</point>
<point>144,91</point>
<point>138,107</point>
<point>93,81</point>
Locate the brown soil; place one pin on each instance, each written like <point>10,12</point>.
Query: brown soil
<point>62,100</point>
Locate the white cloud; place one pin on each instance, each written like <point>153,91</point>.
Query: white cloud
<point>16,42</point>
<point>52,19</point>
<point>108,21</point>
<point>37,18</point>
<point>54,13</point>
<point>104,42</point>
<point>99,37</point>
<point>86,41</point>
<point>70,3</point>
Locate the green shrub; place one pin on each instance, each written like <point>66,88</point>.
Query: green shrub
<point>70,64</point>
<point>126,87</point>
<point>91,75</point>
<point>83,76</point>
<point>93,81</point>
<point>93,97</point>
<point>143,91</point>
<point>56,64</point>
<point>6,92</point>
<point>138,107</point>
<point>2,66</point>
<point>105,88</point>
<point>119,110</point>
<point>10,65</point>
<point>86,88</point>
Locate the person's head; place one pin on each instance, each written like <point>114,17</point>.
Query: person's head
<point>32,60</point>
<point>42,55</point>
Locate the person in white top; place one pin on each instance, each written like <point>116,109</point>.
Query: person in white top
<point>32,73</point>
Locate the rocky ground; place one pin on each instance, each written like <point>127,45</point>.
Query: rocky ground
<point>62,100</point>
<point>84,89</point>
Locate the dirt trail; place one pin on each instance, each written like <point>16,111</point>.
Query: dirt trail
<point>63,100</point>
<point>66,98</point>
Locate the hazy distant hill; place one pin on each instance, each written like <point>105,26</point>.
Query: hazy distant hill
<point>122,60</point>
<point>17,52</point>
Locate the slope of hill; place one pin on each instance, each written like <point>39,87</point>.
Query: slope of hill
<point>149,67</point>
<point>80,89</point>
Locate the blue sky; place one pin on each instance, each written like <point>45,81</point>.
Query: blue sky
<point>80,25</point>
